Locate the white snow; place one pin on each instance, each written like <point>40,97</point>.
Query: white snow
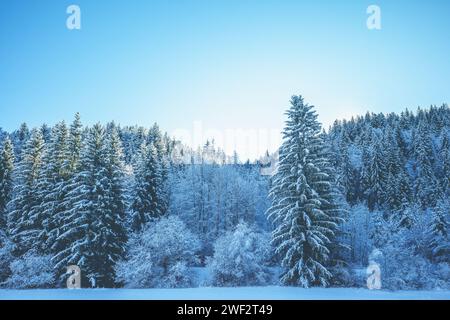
<point>209,293</point>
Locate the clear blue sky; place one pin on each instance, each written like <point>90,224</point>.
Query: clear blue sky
<point>227,63</point>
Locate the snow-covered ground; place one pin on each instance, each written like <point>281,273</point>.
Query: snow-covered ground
<point>207,293</point>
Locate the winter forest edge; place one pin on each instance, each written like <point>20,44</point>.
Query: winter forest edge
<point>133,208</point>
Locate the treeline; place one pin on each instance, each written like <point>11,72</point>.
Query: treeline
<point>394,172</point>
<point>392,161</point>
<point>75,195</point>
<point>132,207</point>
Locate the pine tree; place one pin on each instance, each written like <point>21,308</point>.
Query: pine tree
<point>6,178</point>
<point>302,210</point>
<point>23,225</point>
<point>148,190</point>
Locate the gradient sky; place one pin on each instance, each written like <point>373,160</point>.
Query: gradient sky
<point>227,63</point>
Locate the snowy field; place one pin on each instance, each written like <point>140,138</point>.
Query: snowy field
<point>206,293</point>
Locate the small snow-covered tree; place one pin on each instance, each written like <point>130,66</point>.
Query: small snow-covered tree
<point>157,255</point>
<point>303,206</point>
<point>240,258</point>
<point>179,276</point>
<point>31,271</point>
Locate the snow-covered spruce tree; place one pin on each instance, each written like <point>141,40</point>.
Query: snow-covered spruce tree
<point>148,193</point>
<point>23,225</point>
<point>75,144</point>
<point>71,167</point>
<point>19,139</point>
<point>6,179</point>
<point>116,238</point>
<point>397,192</point>
<point>438,232</point>
<point>46,132</point>
<point>160,143</point>
<point>303,210</point>
<point>426,190</point>
<point>375,174</point>
<point>50,191</point>
<point>93,228</point>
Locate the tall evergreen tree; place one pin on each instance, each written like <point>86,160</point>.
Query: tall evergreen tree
<point>50,186</point>
<point>161,144</point>
<point>425,184</point>
<point>116,237</point>
<point>397,191</point>
<point>376,175</point>
<point>6,178</point>
<point>93,226</point>
<point>23,224</point>
<point>302,210</point>
<point>59,236</point>
<point>148,190</point>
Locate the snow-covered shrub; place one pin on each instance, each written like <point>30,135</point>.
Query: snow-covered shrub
<point>402,258</point>
<point>239,258</point>
<point>179,276</point>
<point>342,276</point>
<point>31,271</point>
<point>403,243</point>
<point>442,276</point>
<point>6,257</point>
<point>158,255</point>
